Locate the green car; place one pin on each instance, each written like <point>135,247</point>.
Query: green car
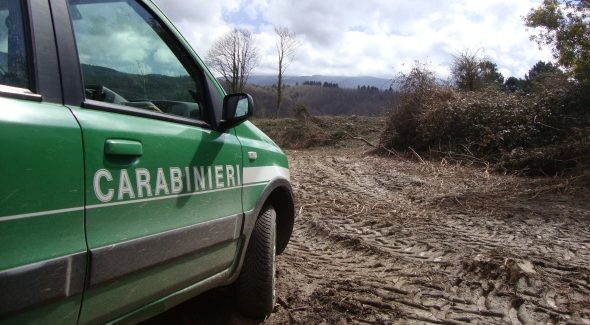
<point>130,182</point>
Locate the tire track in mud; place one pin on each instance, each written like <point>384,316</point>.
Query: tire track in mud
<point>373,244</point>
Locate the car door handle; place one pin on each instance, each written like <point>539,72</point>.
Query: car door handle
<point>123,147</point>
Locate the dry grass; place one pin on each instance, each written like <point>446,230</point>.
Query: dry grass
<point>308,131</point>
<point>544,133</point>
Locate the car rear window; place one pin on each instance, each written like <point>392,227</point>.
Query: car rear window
<point>13,49</point>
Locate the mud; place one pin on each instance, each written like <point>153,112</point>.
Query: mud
<point>392,241</point>
<point>380,240</point>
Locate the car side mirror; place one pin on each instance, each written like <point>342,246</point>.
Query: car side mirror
<point>236,109</point>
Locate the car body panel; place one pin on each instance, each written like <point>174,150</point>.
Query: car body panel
<point>64,311</point>
<point>270,163</point>
<point>179,180</point>
<point>122,296</point>
<point>42,200</point>
<point>165,145</point>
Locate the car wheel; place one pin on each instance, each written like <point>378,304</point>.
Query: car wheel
<point>255,287</point>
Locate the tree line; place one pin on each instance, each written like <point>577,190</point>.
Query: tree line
<point>319,100</point>
<point>325,84</point>
<point>471,72</point>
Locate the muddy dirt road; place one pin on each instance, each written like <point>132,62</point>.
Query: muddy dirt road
<point>393,241</point>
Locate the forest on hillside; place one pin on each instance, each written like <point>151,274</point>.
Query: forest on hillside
<point>323,99</point>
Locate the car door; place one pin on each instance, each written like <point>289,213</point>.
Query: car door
<point>42,243</point>
<point>163,188</point>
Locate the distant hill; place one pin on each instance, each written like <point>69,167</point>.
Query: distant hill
<point>319,100</point>
<point>343,82</point>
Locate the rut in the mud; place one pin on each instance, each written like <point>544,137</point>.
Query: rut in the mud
<point>388,241</point>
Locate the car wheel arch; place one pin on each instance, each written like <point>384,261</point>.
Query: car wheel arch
<point>281,199</point>
<point>278,192</point>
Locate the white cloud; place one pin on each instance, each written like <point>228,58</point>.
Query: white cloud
<point>370,37</point>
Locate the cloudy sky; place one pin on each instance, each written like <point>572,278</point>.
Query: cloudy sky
<point>367,37</point>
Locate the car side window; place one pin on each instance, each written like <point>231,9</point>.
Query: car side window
<point>128,58</point>
<point>13,50</point>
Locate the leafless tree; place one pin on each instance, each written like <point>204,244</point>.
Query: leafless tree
<point>286,43</point>
<point>471,71</point>
<point>466,69</point>
<point>234,56</point>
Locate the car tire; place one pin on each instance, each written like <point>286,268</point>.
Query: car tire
<point>255,287</point>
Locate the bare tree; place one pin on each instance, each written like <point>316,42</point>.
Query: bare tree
<point>234,56</point>
<point>471,72</point>
<point>286,43</point>
<point>465,70</point>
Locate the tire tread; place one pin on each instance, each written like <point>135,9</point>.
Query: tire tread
<point>254,287</point>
